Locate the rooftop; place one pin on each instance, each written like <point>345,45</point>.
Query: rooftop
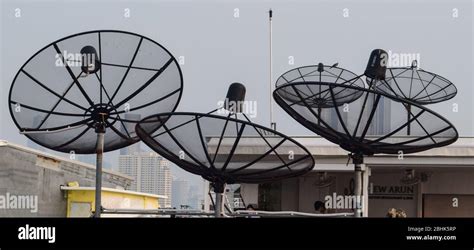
<point>4,143</point>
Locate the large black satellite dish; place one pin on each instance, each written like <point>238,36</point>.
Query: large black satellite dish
<point>206,144</point>
<point>68,94</point>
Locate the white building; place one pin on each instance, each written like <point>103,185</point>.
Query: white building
<point>151,174</point>
<point>434,183</point>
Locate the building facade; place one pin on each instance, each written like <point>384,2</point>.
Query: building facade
<point>434,183</point>
<point>151,174</point>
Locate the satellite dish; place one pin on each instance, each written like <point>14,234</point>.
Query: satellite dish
<point>318,96</point>
<point>206,144</point>
<point>372,123</point>
<point>85,93</point>
<point>417,85</point>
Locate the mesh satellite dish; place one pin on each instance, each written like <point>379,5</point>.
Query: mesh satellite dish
<point>370,124</point>
<point>318,96</point>
<point>71,92</point>
<point>414,84</point>
<point>214,145</point>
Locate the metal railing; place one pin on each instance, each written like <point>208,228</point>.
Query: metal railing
<point>200,213</point>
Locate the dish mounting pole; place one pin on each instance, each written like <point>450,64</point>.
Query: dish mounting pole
<point>100,130</point>
<point>358,160</point>
<point>219,191</point>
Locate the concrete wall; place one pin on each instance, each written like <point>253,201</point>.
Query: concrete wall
<point>26,173</point>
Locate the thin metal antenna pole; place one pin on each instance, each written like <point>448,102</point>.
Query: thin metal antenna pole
<point>272,122</point>
<point>98,171</point>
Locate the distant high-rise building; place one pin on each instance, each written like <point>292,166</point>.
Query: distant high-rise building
<point>151,173</point>
<point>180,190</point>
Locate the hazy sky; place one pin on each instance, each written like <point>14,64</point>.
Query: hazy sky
<point>227,41</point>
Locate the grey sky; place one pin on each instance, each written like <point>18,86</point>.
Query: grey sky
<point>220,48</point>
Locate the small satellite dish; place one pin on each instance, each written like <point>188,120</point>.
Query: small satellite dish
<point>410,83</point>
<point>318,96</point>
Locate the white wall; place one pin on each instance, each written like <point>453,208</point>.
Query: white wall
<point>249,193</point>
<point>450,182</point>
